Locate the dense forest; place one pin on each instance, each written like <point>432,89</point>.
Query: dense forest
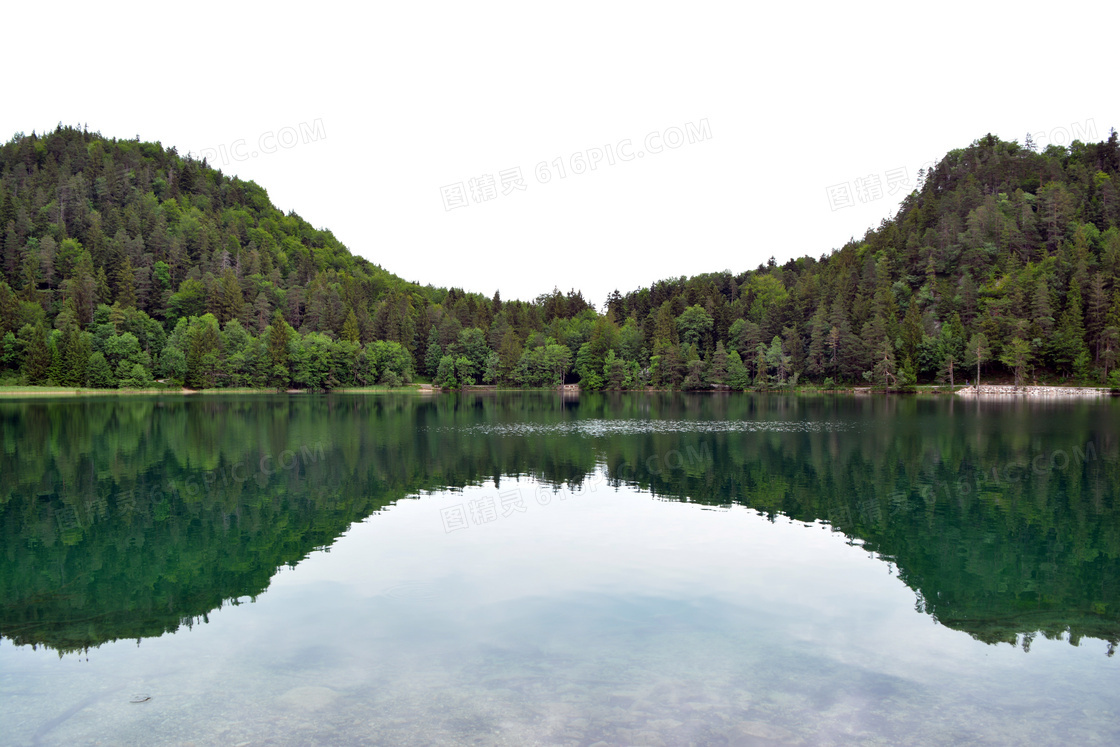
<point>122,262</point>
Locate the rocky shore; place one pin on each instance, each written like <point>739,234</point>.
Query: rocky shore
<point>1008,390</point>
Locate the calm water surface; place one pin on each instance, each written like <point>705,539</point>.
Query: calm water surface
<point>528,569</point>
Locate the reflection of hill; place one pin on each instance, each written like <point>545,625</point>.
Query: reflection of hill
<point>134,516</point>
<point>1032,547</point>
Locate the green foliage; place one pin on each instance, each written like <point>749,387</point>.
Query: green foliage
<point>279,336</point>
<point>885,372</point>
<point>493,368</point>
<point>470,351</point>
<point>1017,356</point>
<point>433,352</point>
<point>777,360</point>
<point>202,347</point>
<point>72,357</point>
<point>314,361</point>
<point>445,373</point>
<point>717,373</point>
<point>37,354</point>
<point>392,360</point>
<point>694,326</point>
<point>99,375</point>
<point>464,371</point>
<point>614,372</point>
<point>738,377</point>
<point>350,331</point>
<point>544,365</point>
<point>764,292</point>
<point>1000,241</point>
<point>977,352</point>
<point>134,376</point>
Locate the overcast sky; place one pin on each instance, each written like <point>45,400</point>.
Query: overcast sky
<point>400,126</point>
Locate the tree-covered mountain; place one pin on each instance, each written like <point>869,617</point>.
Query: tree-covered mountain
<point>1003,254</point>
<point>121,261</point>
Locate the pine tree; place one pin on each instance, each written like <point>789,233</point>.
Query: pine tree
<point>434,353</point>
<point>818,343</point>
<point>510,354</point>
<point>261,312</point>
<point>614,371</point>
<point>1067,344</point>
<point>350,330</point>
<point>279,337</point>
<point>74,348</point>
<point>230,300</point>
<point>950,349</point>
<point>737,375</point>
<point>9,309</point>
<point>99,375</point>
<point>717,368</point>
<point>977,352</point>
<point>912,332</point>
<point>37,356</point>
<point>101,288</point>
<point>1016,356</point>
<point>885,365</point>
<point>126,284</point>
<point>1097,311</point>
<point>1042,313</point>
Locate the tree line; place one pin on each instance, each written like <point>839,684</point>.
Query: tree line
<point>122,262</point>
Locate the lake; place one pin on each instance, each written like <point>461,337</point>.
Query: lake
<point>538,568</point>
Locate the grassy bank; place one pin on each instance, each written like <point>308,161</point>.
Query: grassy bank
<point>63,391</point>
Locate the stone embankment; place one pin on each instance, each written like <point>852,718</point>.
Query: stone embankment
<point>1008,390</point>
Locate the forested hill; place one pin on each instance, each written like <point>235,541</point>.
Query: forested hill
<point>121,261</point>
<point>1003,254</point>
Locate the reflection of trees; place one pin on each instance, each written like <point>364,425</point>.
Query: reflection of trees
<point>1034,546</point>
<point>127,518</point>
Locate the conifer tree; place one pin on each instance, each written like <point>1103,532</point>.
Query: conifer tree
<point>434,353</point>
<point>350,330</point>
<point>279,338</point>
<point>977,353</point>
<point>37,355</point>
<point>99,375</point>
<point>126,284</point>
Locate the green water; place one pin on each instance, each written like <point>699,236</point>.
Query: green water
<point>534,569</point>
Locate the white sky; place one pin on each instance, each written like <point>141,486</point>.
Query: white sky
<point>397,101</point>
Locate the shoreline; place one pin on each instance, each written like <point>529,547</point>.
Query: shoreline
<point>986,391</point>
<point>55,391</point>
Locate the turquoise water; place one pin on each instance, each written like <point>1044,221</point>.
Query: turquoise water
<point>527,569</point>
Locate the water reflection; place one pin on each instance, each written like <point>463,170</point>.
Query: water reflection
<point>128,518</point>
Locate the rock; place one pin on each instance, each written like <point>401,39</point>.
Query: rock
<point>1005,390</point>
